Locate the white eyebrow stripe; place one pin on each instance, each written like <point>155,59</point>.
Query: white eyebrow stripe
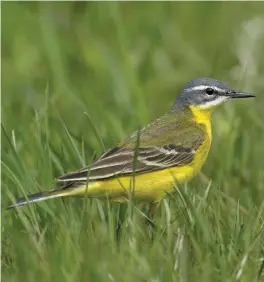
<point>203,87</point>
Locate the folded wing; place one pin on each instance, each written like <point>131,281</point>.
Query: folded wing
<point>125,161</point>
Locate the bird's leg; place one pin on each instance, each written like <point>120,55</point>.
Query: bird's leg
<point>120,221</point>
<point>118,230</point>
<point>151,213</point>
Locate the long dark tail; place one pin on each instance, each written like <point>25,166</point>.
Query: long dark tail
<point>38,197</point>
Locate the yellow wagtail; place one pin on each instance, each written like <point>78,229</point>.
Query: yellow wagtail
<point>171,148</point>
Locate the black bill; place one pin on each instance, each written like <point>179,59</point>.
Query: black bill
<point>238,94</point>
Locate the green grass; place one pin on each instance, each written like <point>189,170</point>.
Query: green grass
<point>78,78</point>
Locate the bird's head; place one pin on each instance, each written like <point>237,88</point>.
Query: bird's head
<point>206,94</point>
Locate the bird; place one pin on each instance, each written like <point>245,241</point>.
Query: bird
<point>147,164</point>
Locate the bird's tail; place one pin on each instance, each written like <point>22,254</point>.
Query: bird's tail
<point>38,197</point>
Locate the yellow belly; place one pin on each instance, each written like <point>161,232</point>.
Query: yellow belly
<point>147,187</point>
<point>151,186</point>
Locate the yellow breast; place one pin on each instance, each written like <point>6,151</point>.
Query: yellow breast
<point>203,116</point>
<point>153,186</point>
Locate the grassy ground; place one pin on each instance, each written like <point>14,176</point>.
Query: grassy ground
<point>74,74</point>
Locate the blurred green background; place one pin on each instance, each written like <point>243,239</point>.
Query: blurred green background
<point>79,74</point>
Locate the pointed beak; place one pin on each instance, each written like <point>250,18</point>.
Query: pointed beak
<point>238,94</point>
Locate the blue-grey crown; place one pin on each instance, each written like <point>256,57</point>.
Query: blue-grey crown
<point>205,81</point>
<point>194,91</point>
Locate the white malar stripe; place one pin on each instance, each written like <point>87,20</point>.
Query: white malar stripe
<point>213,103</point>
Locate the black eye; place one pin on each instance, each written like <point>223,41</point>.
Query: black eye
<point>209,91</point>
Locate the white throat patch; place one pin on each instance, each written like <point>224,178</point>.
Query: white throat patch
<point>210,104</point>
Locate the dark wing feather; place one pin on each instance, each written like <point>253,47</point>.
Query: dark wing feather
<point>178,130</point>
<point>120,162</point>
